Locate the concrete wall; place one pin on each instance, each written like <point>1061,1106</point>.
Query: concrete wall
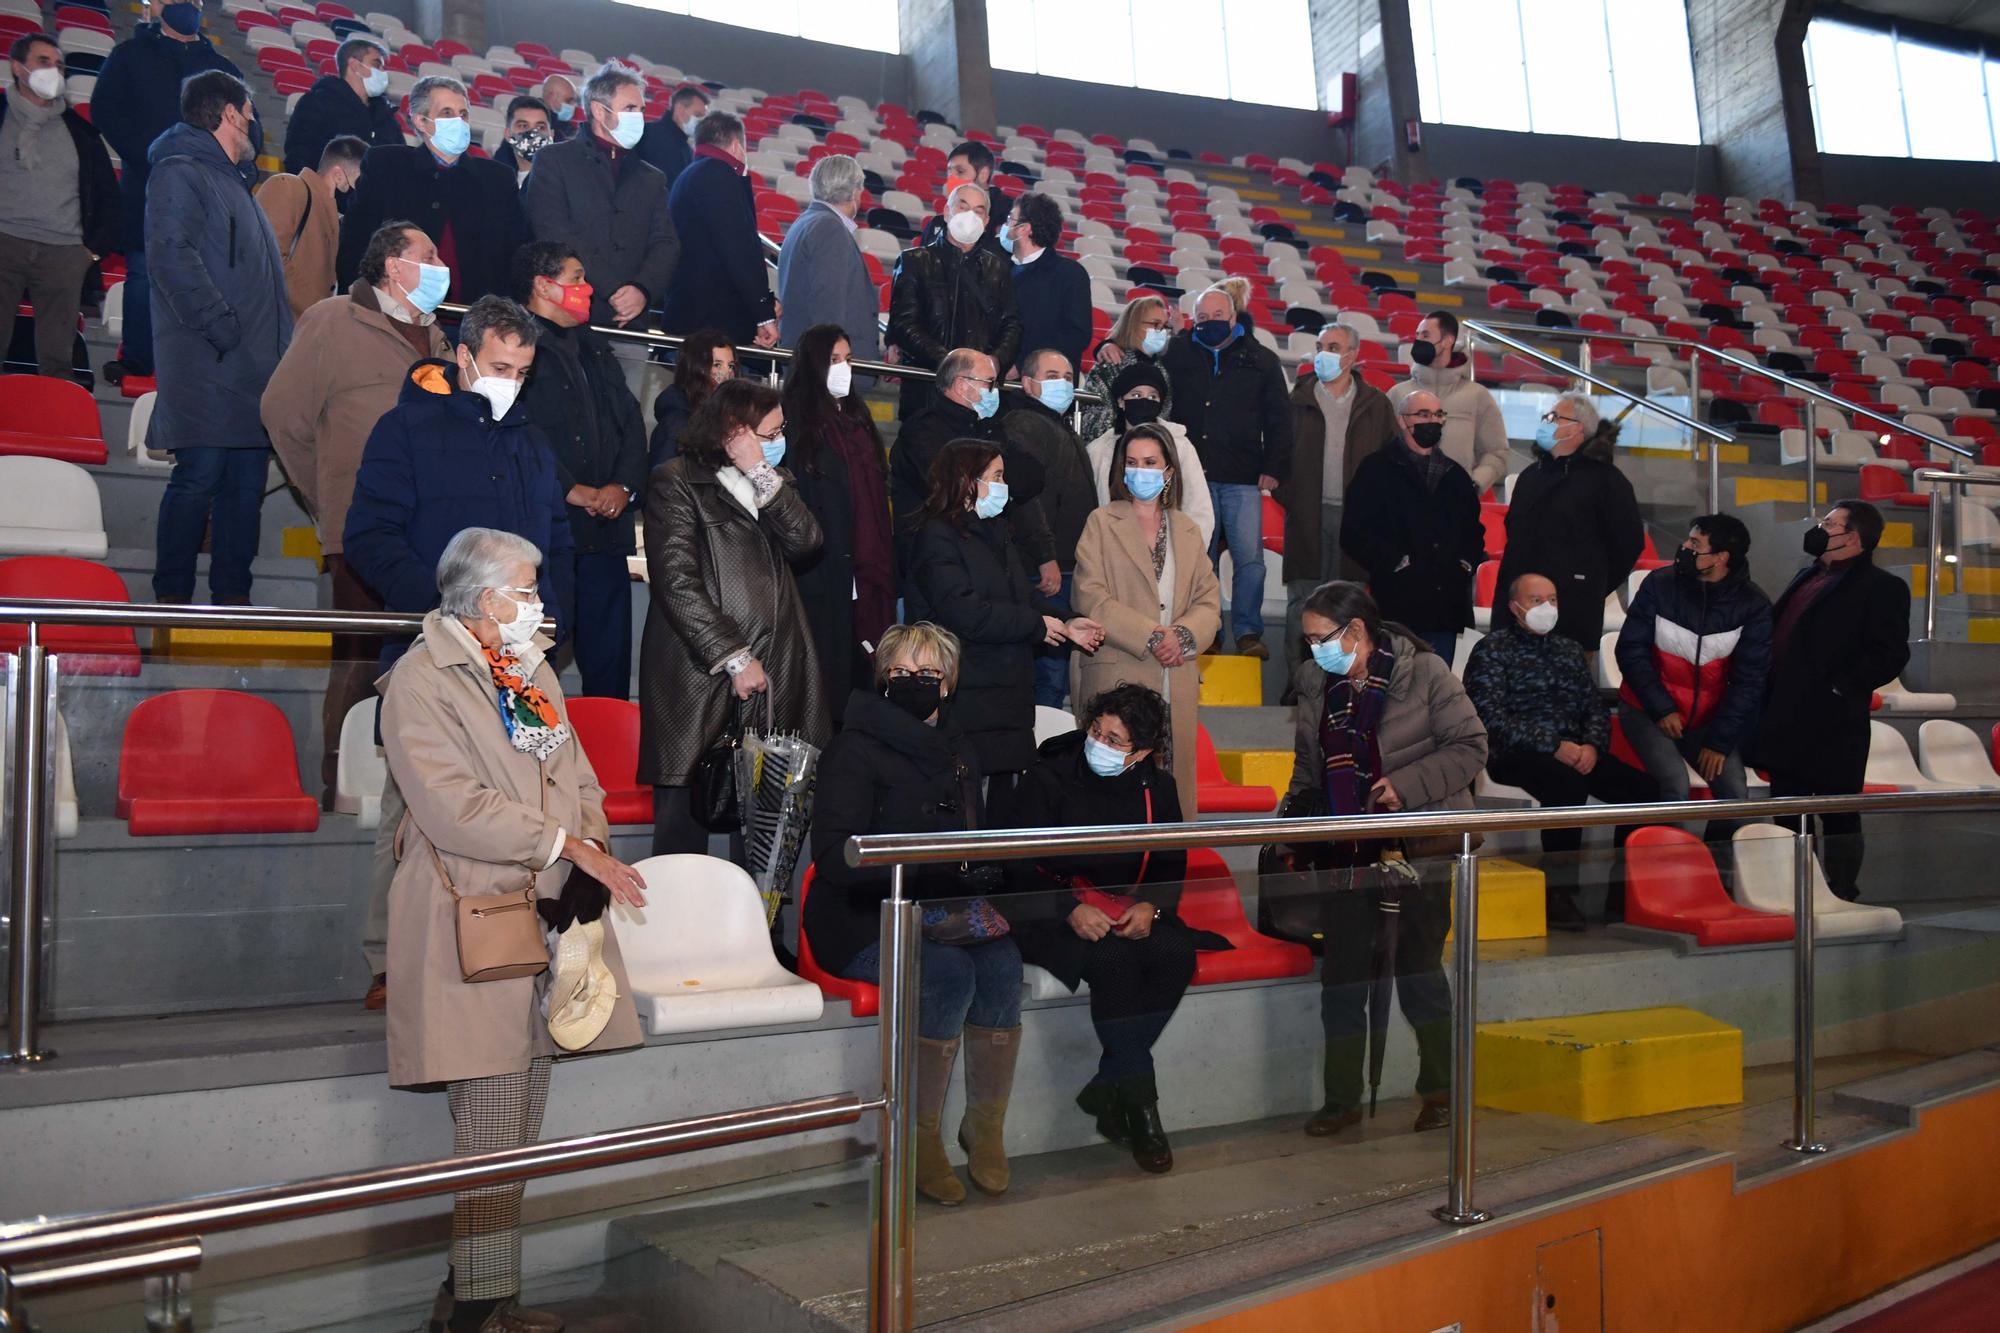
<point>1894,180</point>
<point>1171,120</point>
<point>1604,164</point>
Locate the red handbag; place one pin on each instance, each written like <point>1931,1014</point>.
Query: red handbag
<point>1113,905</point>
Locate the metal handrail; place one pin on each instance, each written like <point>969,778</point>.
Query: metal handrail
<point>130,615</point>
<point>1939,481</point>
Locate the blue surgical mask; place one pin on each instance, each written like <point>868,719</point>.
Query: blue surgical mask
<point>567,112</point>
<point>1333,657</point>
<point>990,504</point>
<point>433,281</point>
<point>1327,366</point>
<point>1145,483</point>
<point>452,136</point>
<point>774,450</point>
<point>1007,239</point>
<point>1545,436</point>
<point>1106,761</point>
<point>1155,343</point>
<point>631,124</point>
<point>989,402</point>
<point>1213,333</point>
<point>1057,395</point>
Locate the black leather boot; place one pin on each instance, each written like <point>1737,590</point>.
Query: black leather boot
<point>1100,1101</point>
<point>1150,1149</point>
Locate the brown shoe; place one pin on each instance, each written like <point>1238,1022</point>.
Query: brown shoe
<point>1436,1114</point>
<point>378,993</point>
<point>1252,645</point>
<point>514,1317</point>
<point>1327,1122</point>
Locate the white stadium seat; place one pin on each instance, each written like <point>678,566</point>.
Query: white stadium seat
<point>1891,764</point>
<point>1952,753</point>
<point>360,772</point>
<point>1052,722</point>
<point>49,507</point>
<point>1764,870</point>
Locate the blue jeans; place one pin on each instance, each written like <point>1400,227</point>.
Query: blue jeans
<point>1444,642</point>
<point>957,984</point>
<point>1239,520</point>
<point>137,335</point>
<point>1052,664</point>
<point>217,489</point>
<point>1662,756</point>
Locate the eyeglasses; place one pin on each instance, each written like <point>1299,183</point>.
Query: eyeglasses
<point>1104,738</point>
<point>773,435</point>
<point>521,594</point>
<point>1551,416</point>
<point>1425,416</point>
<point>920,673</point>
<point>1314,640</point>
<point>989,383</point>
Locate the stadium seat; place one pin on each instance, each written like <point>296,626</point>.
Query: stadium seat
<point>360,773</point>
<point>1493,518</point>
<point>64,790</point>
<point>1884,486</point>
<point>864,998</point>
<point>1210,901</point>
<point>1950,753</point>
<point>49,418</point>
<point>1216,794</point>
<point>1891,766</point>
<point>698,955</point>
<point>609,731</point>
<point>211,761</point>
<point>135,436</point>
<point>1671,884</point>
<point>1609,677</point>
<point>1274,525</point>
<point>1485,587</point>
<point>1764,870</point>
<point>82,650</point>
<point>1896,699</point>
<point>1052,722</point>
<point>49,507</point>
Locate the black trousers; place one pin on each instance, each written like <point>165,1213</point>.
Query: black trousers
<point>602,634</point>
<point>1555,783</point>
<point>1840,847</point>
<point>1351,920</point>
<point>1135,986</point>
<point>677,832</point>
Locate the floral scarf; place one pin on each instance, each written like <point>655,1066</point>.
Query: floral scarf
<point>533,726</point>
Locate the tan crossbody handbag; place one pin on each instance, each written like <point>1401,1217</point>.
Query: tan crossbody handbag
<point>499,934</point>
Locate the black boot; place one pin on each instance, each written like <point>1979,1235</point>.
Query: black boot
<point>1098,1099</point>
<point>1150,1149</point>
<point>1563,913</point>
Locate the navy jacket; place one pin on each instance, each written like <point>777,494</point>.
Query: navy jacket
<point>1053,296</point>
<point>1235,404</point>
<point>578,396</point>
<point>721,281</point>
<point>138,98</point>
<point>96,182</point>
<point>436,464</point>
<point>1698,649</point>
<point>478,198</point>
<point>221,319</point>
<point>667,147</point>
<point>330,109</point>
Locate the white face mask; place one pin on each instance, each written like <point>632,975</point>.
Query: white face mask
<point>839,379</point>
<point>46,84</point>
<point>965,228</point>
<point>1541,619</point>
<point>519,632</point>
<point>499,393</point>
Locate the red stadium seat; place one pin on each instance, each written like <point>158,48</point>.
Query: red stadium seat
<point>1486,583</point>
<point>84,650</point>
<point>1209,901</point>
<point>50,418</point>
<point>1216,794</point>
<point>864,998</point>
<point>1274,525</point>
<point>1493,518</point>
<point>1671,884</point>
<point>211,761</point>
<point>1883,485</point>
<point>609,732</point>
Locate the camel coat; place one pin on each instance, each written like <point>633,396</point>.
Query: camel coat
<point>493,814</point>
<point>1115,587</point>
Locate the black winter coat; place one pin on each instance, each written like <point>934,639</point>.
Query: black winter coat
<point>576,393</point>
<point>1000,206</point>
<point>615,216</point>
<point>96,182</point>
<point>941,298</point>
<point>826,575</point>
<point>1053,294</point>
<point>721,281</point>
<point>330,109</point>
<point>886,772</point>
<point>1235,407</point>
<point>1047,526</point>
<point>974,582</point>
<point>1576,522</point>
<point>1419,546</point>
<point>666,146</point>
<point>137,99</point>
<point>671,411</point>
<point>919,442</point>
<point>1849,643</point>
<point>477,197</point>
<point>721,581</point>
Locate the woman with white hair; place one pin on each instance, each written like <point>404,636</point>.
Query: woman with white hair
<point>822,278</point>
<point>504,817</point>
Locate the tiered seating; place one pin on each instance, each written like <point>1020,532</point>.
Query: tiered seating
<point>609,732</point>
<point>211,761</point>
<point>1891,766</point>
<point>864,998</point>
<point>1210,901</point>
<point>698,955</point>
<point>82,650</point>
<point>1950,753</point>
<point>1671,884</point>
<point>49,507</point>
<point>49,418</point>
<point>1764,880</point>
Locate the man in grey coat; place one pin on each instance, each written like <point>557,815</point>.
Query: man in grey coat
<point>594,193</point>
<point>821,277</point>
<point>221,321</point>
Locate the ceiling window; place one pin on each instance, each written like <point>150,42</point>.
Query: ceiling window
<point>1876,93</point>
<point>1244,50</point>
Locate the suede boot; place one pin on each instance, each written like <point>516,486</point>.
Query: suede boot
<point>935,1178</point>
<point>989,1082</point>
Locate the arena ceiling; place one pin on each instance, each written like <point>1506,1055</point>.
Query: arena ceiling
<point>1973,16</point>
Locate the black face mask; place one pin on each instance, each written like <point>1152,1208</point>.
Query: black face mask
<point>1427,434</point>
<point>1687,564</point>
<point>914,695</point>
<point>1141,411</point>
<point>1815,542</point>
<point>1423,353</point>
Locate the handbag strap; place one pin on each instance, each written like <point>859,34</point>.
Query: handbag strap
<point>1147,855</point>
<point>541,784</point>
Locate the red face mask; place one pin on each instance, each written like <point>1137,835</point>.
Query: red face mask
<point>576,299</point>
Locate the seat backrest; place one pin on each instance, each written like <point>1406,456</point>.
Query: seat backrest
<point>142,419</point>
<point>703,918</point>
<point>1669,869</point>
<point>1207,768</point>
<point>1609,677</point>
<point>360,771</point>
<point>1052,722</point>
<point>1764,870</point>
<point>1486,582</point>
<point>1950,752</point>
<point>1889,757</point>
<point>48,406</point>
<point>48,493</point>
<point>609,732</point>
<point>59,575</point>
<point>208,743</point>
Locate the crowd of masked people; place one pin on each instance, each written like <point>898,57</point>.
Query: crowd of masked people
<point>906,609</point>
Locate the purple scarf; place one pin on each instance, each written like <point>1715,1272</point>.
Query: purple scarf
<point>1348,744</point>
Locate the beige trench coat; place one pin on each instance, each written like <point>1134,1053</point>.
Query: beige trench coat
<point>1115,587</point>
<point>480,802</point>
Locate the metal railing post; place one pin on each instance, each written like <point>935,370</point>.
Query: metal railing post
<point>30,689</point>
<point>1458,1210</point>
<point>1932,579</point>
<point>1802,1140</point>
<point>1812,456</point>
<point>1583,357</point>
<point>1958,522</point>
<point>892,1272</point>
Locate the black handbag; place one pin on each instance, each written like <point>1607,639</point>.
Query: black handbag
<point>717,805</point>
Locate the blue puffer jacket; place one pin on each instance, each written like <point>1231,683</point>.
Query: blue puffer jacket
<point>1698,649</point>
<point>221,319</point>
<point>436,464</point>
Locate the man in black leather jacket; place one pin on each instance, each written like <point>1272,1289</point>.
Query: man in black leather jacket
<point>952,293</point>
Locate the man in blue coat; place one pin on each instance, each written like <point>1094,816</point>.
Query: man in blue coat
<point>821,276</point>
<point>138,98</point>
<point>221,321</point>
<point>721,281</point>
<point>668,142</point>
<point>1051,290</point>
<point>458,451</point>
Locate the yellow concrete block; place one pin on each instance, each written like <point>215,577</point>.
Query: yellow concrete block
<point>883,410</point>
<point>1513,901</point>
<point>242,646</point>
<point>301,543</point>
<point>1257,768</point>
<point>270,164</point>
<point>1755,490</point>
<point>1980,580</point>
<point>1610,1066</point>
<point>1429,299</point>
<point>1898,535</point>
<point>1983,629</point>
<point>1229,681</point>
<point>1229,178</point>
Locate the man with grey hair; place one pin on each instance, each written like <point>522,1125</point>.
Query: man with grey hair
<point>822,278</point>
<point>968,389</point>
<point>953,292</point>
<point>594,193</point>
<point>470,205</point>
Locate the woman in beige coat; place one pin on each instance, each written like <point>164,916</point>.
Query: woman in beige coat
<point>1142,572</point>
<point>499,795</point>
